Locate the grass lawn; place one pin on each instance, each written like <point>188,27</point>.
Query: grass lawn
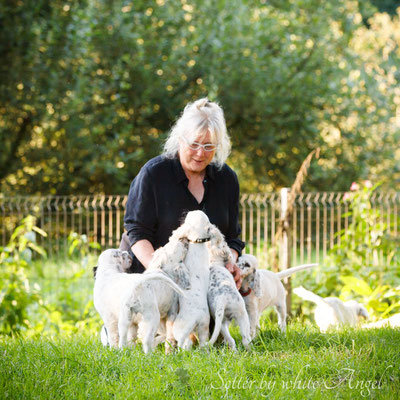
<point>350,364</point>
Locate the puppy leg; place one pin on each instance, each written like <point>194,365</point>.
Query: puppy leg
<point>132,334</point>
<point>244,327</point>
<point>227,335</point>
<point>180,334</point>
<point>281,311</point>
<point>182,330</point>
<point>112,332</point>
<point>252,312</point>
<point>203,331</point>
<point>170,341</point>
<point>124,323</point>
<point>150,326</point>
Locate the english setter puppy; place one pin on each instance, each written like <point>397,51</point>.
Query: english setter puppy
<point>332,312</point>
<point>224,300</point>
<point>262,288</point>
<point>124,300</point>
<point>170,259</point>
<point>193,315</point>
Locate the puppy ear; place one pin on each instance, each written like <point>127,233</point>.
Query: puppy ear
<point>256,284</point>
<point>183,276</point>
<point>218,246</point>
<point>180,232</point>
<point>126,260</point>
<point>181,247</point>
<point>216,236</point>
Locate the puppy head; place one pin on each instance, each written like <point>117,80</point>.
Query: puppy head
<point>126,260</point>
<point>115,259</point>
<point>362,311</point>
<point>219,250</point>
<point>170,255</point>
<point>195,227</point>
<point>248,265</point>
<point>359,309</point>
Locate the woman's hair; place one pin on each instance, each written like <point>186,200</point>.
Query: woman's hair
<point>197,119</point>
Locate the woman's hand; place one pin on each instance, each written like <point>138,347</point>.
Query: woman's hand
<point>235,271</point>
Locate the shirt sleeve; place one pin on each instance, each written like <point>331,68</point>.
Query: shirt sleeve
<point>140,213</point>
<point>233,235</point>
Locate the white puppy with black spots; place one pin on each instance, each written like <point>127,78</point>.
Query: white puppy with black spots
<point>224,300</point>
<point>193,315</point>
<point>262,289</point>
<point>126,300</point>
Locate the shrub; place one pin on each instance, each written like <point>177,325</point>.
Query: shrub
<point>16,293</point>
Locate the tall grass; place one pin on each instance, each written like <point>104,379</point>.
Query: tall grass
<point>303,364</point>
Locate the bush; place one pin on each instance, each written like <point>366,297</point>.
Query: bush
<point>16,293</point>
<point>364,252</point>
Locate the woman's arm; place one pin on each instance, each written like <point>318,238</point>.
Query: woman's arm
<point>143,250</point>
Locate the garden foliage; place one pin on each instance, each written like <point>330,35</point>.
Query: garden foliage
<point>364,263</point>
<point>16,292</point>
<point>89,89</point>
<point>46,297</point>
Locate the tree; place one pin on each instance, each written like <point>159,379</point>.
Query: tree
<point>90,89</point>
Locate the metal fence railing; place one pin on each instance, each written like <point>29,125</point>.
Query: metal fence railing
<point>316,219</point>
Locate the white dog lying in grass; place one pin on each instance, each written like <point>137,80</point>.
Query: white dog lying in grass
<point>332,312</point>
<point>124,300</point>
<point>392,322</point>
<point>262,288</point>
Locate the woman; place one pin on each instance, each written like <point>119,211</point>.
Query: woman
<point>190,174</point>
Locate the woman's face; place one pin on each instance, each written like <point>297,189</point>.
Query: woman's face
<point>195,161</point>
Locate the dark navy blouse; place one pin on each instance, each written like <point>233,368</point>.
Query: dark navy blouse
<point>159,199</point>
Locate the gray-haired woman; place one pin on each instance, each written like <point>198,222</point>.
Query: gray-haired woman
<point>190,174</point>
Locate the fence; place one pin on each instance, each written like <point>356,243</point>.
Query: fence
<point>315,220</point>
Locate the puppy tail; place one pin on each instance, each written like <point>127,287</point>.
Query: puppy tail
<point>219,314</point>
<point>161,276</point>
<point>307,295</point>
<point>291,271</point>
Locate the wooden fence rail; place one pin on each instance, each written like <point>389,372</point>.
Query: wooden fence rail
<point>316,219</point>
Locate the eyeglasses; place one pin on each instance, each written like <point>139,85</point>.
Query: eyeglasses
<point>196,146</point>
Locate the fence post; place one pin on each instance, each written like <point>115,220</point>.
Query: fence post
<point>284,245</point>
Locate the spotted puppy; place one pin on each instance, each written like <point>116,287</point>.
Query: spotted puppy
<point>124,300</point>
<point>224,300</point>
<point>262,288</point>
<point>154,299</point>
<point>193,315</point>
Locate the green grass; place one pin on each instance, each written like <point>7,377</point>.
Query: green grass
<point>350,364</point>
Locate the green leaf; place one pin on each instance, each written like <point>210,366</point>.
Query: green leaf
<point>357,285</point>
<point>39,231</point>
